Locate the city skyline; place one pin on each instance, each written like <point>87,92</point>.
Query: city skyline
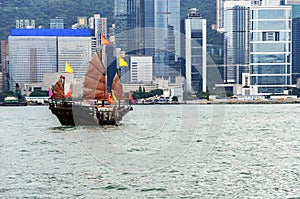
<point>158,28</point>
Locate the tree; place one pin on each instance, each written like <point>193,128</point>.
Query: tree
<point>296,91</point>
<point>203,95</point>
<point>175,99</point>
<point>39,93</point>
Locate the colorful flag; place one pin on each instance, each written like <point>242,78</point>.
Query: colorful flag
<point>50,93</point>
<point>69,93</point>
<point>131,98</point>
<point>69,68</point>
<point>105,41</point>
<point>113,96</point>
<point>109,98</point>
<point>122,62</point>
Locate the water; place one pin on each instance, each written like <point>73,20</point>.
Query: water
<point>189,151</point>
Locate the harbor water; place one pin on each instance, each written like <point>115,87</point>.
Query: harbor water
<point>158,151</point>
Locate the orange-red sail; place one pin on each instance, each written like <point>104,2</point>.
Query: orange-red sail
<point>59,91</point>
<point>95,83</point>
<point>117,88</point>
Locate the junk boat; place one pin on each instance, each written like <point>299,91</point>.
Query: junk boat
<point>97,107</point>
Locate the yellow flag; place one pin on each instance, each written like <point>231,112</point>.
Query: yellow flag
<point>69,68</point>
<point>123,62</point>
<point>113,96</point>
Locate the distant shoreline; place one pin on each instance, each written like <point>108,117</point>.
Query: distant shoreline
<point>229,101</point>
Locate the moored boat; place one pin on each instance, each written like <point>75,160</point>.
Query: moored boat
<point>12,101</point>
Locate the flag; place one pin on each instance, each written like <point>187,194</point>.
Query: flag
<point>105,41</point>
<point>50,93</point>
<point>69,93</point>
<point>131,98</point>
<point>123,62</point>
<point>113,96</point>
<point>69,68</point>
<point>109,98</point>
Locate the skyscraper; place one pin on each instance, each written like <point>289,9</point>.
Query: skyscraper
<point>236,48</point>
<point>270,48</point>
<point>125,16</point>
<point>195,31</point>
<point>99,25</point>
<point>157,34</point>
<point>220,15</point>
<point>163,41</point>
<point>295,39</point>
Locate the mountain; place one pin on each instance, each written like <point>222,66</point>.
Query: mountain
<point>42,11</point>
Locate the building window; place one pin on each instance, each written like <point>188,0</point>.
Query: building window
<point>277,36</point>
<point>264,36</point>
<point>270,36</point>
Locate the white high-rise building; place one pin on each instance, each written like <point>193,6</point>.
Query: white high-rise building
<point>141,69</point>
<point>99,24</point>
<point>195,55</point>
<point>220,15</point>
<point>270,48</point>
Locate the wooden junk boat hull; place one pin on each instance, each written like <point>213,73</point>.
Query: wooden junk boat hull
<point>70,114</point>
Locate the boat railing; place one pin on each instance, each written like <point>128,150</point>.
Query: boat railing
<point>60,103</point>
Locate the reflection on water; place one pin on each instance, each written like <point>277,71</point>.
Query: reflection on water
<point>246,151</point>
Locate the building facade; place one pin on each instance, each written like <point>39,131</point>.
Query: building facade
<point>125,17</point>
<point>57,23</point>
<point>295,39</point>
<point>34,52</point>
<point>149,27</point>
<point>141,69</point>
<point>195,55</point>
<point>220,15</point>
<point>99,25</point>
<point>236,40</point>
<point>270,48</point>
<point>4,64</point>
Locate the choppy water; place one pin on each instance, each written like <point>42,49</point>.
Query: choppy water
<point>189,151</point>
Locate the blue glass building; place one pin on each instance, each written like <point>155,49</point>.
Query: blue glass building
<point>162,34</point>
<point>236,40</point>
<point>126,13</point>
<point>295,40</point>
<point>150,27</point>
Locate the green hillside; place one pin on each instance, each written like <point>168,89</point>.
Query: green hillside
<point>42,11</point>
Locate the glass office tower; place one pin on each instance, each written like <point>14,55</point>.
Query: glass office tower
<point>270,49</point>
<point>166,16</point>
<point>295,39</point>
<point>236,40</point>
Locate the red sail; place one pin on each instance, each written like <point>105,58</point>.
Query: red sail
<point>95,83</point>
<point>59,91</point>
<point>118,88</point>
